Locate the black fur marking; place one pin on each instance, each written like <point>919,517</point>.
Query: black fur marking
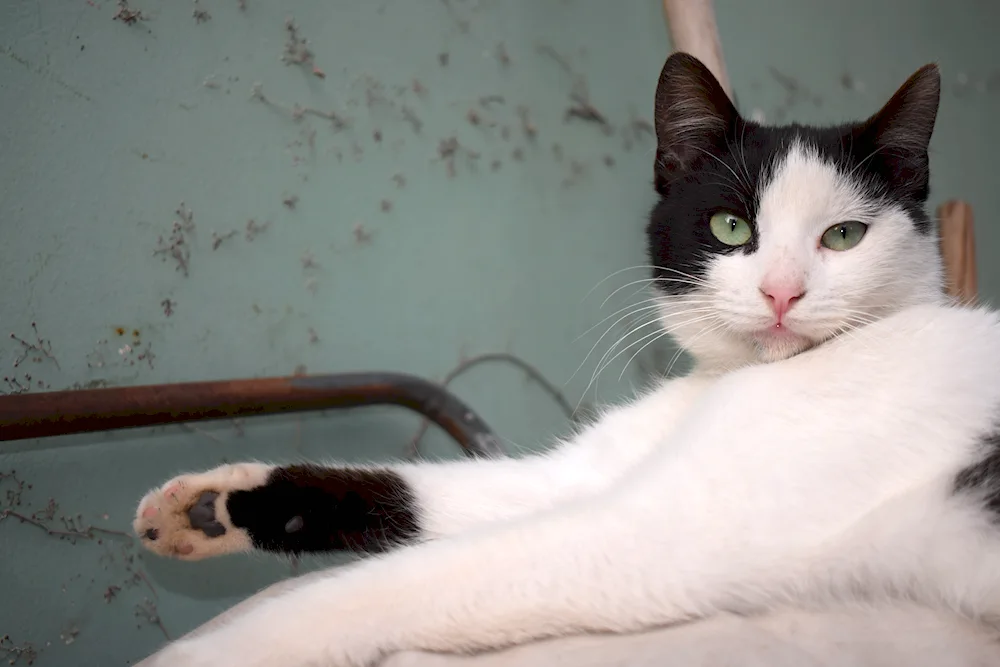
<point>984,477</point>
<point>308,508</point>
<point>709,159</point>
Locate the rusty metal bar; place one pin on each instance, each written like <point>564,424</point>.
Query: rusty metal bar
<point>46,414</point>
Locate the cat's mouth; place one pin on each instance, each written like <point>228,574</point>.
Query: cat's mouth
<point>779,331</point>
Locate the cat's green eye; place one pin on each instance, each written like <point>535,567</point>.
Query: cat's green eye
<point>730,229</point>
<point>844,235</point>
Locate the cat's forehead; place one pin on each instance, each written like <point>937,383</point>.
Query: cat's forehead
<point>807,187</point>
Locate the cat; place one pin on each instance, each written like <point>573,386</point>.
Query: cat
<point>837,441</point>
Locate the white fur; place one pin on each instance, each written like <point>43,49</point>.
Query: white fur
<point>787,489</point>
<point>854,637</point>
<point>457,496</point>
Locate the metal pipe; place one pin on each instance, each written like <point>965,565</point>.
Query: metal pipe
<point>46,414</point>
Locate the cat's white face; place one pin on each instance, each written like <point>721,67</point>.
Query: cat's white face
<point>792,291</point>
<point>767,241</point>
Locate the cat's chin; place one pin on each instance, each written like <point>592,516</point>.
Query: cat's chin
<point>730,349</point>
<point>777,344</point>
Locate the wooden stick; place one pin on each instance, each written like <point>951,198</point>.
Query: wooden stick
<point>693,30</point>
<point>958,249</point>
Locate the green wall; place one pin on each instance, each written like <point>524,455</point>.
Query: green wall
<point>105,128</point>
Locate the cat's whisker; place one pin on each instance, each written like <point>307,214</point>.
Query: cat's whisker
<point>858,322</point>
<point>686,278</point>
<point>849,332</point>
<point>743,155</point>
<point>654,300</point>
<point>728,186</point>
<point>611,350</point>
<point>647,267</point>
<point>861,163</point>
<point>673,361</point>
<point>858,317</point>
<point>631,313</point>
<point>686,297</point>
<point>851,329</point>
<point>663,334</point>
<point>690,311</point>
<point>739,182</point>
<point>680,350</point>
<point>644,321</point>
<point>663,297</point>
<point>599,366</point>
<point>657,317</point>
<point>644,282</point>
<point>697,282</point>
<point>856,311</point>
<point>666,331</point>
<point>682,274</point>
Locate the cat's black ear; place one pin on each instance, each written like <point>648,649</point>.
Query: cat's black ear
<point>900,133</point>
<point>693,115</point>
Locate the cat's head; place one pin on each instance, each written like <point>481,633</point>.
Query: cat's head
<point>767,241</point>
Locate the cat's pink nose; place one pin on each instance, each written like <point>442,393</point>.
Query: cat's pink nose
<point>781,296</point>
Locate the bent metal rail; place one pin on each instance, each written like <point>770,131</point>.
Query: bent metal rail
<point>46,414</point>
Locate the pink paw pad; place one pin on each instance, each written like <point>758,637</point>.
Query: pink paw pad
<point>171,491</point>
<point>150,512</point>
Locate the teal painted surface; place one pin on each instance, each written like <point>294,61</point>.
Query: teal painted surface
<point>107,128</point>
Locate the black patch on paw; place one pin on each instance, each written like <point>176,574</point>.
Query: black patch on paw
<point>151,534</point>
<point>307,508</point>
<point>202,515</point>
<point>983,477</point>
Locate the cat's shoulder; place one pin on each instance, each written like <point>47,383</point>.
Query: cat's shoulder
<point>929,344</point>
<point>938,328</point>
<point>945,316</point>
<point>924,341</point>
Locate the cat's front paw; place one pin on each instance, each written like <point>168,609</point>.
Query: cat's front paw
<point>187,518</point>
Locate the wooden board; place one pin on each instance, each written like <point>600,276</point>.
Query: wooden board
<point>958,249</point>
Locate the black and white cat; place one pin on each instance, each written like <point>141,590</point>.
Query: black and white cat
<point>837,442</point>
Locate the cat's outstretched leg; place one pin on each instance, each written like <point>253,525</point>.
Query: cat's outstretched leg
<point>312,508</point>
<point>291,509</point>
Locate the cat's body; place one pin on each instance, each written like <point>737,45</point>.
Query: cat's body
<point>836,444</point>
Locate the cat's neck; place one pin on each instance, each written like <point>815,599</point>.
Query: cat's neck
<point>715,366</point>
